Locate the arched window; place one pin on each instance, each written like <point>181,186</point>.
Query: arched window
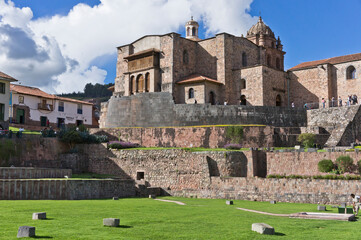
<point>147,82</point>
<point>278,65</point>
<point>243,83</point>
<point>140,83</point>
<point>351,72</point>
<point>269,60</point>
<point>191,93</point>
<point>131,85</point>
<point>278,100</point>
<point>243,100</point>
<point>188,31</point>
<point>244,59</point>
<point>185,57</point>
<point>134,85</point>
<point>193,31</point>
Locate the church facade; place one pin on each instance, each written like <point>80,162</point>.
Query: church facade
<point>168,74</point>
<point>225,68</point>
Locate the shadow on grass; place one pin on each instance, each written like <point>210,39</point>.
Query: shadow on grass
<point>125,226</point>
<point>41,237</point>
<point>279,234</point>
<point>46,219</point>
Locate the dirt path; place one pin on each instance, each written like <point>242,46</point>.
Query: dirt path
<point>163,200</point>
<point>265,213</point>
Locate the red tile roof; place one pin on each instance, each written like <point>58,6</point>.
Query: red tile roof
<point>198,78</point>
<point>7,77</point>
<point>32,91</point>
<point>334,60</point>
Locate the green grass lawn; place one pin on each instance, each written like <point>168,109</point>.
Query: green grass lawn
<point>149,219</point>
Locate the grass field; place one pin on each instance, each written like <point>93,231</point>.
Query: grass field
<point>150,219</point>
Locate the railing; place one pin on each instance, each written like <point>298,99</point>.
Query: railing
<point>328,104</point>
<point>48,107</point>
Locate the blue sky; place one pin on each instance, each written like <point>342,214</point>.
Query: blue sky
<point>309,30</point>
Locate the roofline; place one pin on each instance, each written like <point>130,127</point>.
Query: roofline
<point>315,66</point>
<point>8,79</point>
<point>152,35</point>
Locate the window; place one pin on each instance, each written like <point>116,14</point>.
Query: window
<point>191,93</point>
<point>278,65</point>
<point>351,72</point>
<point>147,82</point>
<point>79,122</point>
<point>269,60</point>
<point>185,57</point>
<point>244,59</point>
<point>2,112</point>
<point>43,121</point>
<point>61,107</point>
<point>2,88</point>
<point>21,99</point>
<point>80,109</point>
<point>243,83</point>
<point>140,175</point>
<point>140,82</point>
<point>278,101</point>
<point>132,85</point>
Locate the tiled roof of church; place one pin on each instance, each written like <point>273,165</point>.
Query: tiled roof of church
<point>6,77</point>
<point>197,78</point>
<point>334,60</point>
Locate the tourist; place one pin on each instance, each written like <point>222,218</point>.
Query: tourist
<point>225,103</point>
<point>305,106</point>
<point>293,105</point>
<point>339,101</point>
<point>332,101</point>
<point>355,99</point>
<point>323,103</point>
<point>195,101</point>
<point>355,203</point>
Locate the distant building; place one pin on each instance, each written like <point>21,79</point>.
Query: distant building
<point>34,108</point>
<point>4,99</point>
<point>333,77</point>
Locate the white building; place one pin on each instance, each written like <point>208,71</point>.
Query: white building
<point>38,109</point>
<point>4,99</point>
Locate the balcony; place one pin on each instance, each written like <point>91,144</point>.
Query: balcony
<point>42,106</point>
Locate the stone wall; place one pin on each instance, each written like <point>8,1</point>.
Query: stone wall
<point>206,137</point>
<point>26,189</point>
<point>159,110</point>
<point>31,173</point>
<point>302,163</point>
<point>282,190</point>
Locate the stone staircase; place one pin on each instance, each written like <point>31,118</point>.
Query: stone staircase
<point>333,120</point>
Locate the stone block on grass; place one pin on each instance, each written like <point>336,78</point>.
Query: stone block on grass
<point>229,202</point>
<point>321,208</point>
<point>26,231</point>
<point>263,228</point>
<point>115,198</point>
<point>151,196</point>
<point>39,215</point>
<point>272,202</point>
<point>111,222</point>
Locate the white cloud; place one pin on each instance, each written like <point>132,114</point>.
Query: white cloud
<point>62,48</point>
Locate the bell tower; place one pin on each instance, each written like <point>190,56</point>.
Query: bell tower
<point>192,29</point>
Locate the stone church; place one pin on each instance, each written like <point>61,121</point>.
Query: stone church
<point>225,68</point>
<point>188,81</point>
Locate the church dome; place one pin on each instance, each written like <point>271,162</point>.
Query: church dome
<point>260,28</point>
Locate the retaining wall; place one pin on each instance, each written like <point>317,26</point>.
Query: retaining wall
<point>302,163</point>
<point>31,173</point>
<point>157,109</point>
<point>65,189</point>
<point>282,190</point>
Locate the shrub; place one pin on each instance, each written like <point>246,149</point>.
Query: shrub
<point>344,163</point>
<point>235,133</point>
<point>122,145</point>
<point>233,146</point>
<point>102,138</point>
<point>359,166</point>
<point>325,165</point>
<point>307,139</point>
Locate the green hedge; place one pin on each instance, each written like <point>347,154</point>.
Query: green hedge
<point>325,165</point>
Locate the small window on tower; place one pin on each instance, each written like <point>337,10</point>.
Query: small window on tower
<point>244,59</point>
